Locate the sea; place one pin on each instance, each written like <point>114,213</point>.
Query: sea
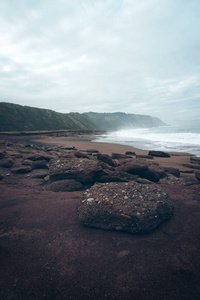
<point>170,138</point>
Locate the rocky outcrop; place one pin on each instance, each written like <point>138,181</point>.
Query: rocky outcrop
<point>80,154</point>
<point>120,156</point>
<point>195,160</point>
<point>159,154</point>
<point>106,158</point>
<point>83,170</point>
<point>130,153</point>
<point>131,207</point>
<point>172,171</point>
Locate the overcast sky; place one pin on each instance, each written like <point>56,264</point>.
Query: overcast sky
<point>134,56</point>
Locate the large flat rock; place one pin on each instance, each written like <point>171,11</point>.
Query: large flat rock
<point>132,207</point>
<point>83,170</point>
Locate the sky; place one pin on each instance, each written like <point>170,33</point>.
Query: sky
<point>133,56</point>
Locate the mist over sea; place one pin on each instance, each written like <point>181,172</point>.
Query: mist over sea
<point>179,138</point>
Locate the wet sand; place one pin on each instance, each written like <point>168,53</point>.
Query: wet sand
<point>46,253</point>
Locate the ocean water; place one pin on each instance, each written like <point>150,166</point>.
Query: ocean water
<point>179,138</point>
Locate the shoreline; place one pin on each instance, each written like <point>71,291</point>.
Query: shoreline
<point>85,142</point>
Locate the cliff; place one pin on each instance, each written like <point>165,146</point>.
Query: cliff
<point>15,117</point>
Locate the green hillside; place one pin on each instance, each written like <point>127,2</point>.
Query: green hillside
<point>15,117</point>
<point>24,118</point>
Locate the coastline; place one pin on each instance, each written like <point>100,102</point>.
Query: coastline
<point>85,142</point>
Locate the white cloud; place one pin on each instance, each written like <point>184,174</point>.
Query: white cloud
<point>112,55</point>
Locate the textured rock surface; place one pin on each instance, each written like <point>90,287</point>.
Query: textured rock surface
<point>132,207</point>
<point>106,158</point>
<point>195,159</point>
<point>83,170</point>
<point>173,171</point>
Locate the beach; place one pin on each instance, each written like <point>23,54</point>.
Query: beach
<point>46,253</point>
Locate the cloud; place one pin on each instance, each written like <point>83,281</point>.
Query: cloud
<point>111,55</point>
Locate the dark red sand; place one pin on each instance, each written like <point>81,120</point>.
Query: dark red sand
<point>45,253</point>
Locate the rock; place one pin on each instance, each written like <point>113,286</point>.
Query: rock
<point>35,157</point>
<point>192,166</point>
<point>68,148</point>
<point>1,177</point>
<point>158,170</point>
<point>21,170</point>
<point>81,155</point>
<point>69,185</point>
<point>187,171</point>
<point>116,176</point>
<point>39,164</point>
<point>130,153</point>
<point>39,173</point>
<point>197,175</point>
<point>194,159</point>
<point>92,151</point>
<point>131,207</point>
<point>83,170</point>
<point>159,153</point>
<point>150,175</point>
<point>173,171</point>
<point>27,162</point>
<point>120,156</point>
<point>134,167</point>
<point>106,158</point>
<point>6,163</point>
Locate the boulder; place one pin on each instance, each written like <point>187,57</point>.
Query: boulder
<point>80,154</point>
<point>35,157</point>
<point>68,148</point>
<point>172,171</point>
<point>106,158</point>
<point>130,206</point>
<point>194,159</point>
<point>192,166</point>
<point>150,175</point>
<point>120,156</point>
<point>6,163</point>
<point>21,170</point>
<point>158,154</point>
<point>116,176</point>
<point>130,153</point>
<point>69,185</point>
<point>83,170</point>
<point>39,164</point>
<point>92,151</point>
<point>159,170</point>
<point>134,167</point>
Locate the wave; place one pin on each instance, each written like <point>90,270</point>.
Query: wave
<point>170,138</point>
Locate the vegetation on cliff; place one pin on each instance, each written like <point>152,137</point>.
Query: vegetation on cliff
<point>15,117</point>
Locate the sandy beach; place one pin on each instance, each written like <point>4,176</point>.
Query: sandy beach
<point>46,253</point>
